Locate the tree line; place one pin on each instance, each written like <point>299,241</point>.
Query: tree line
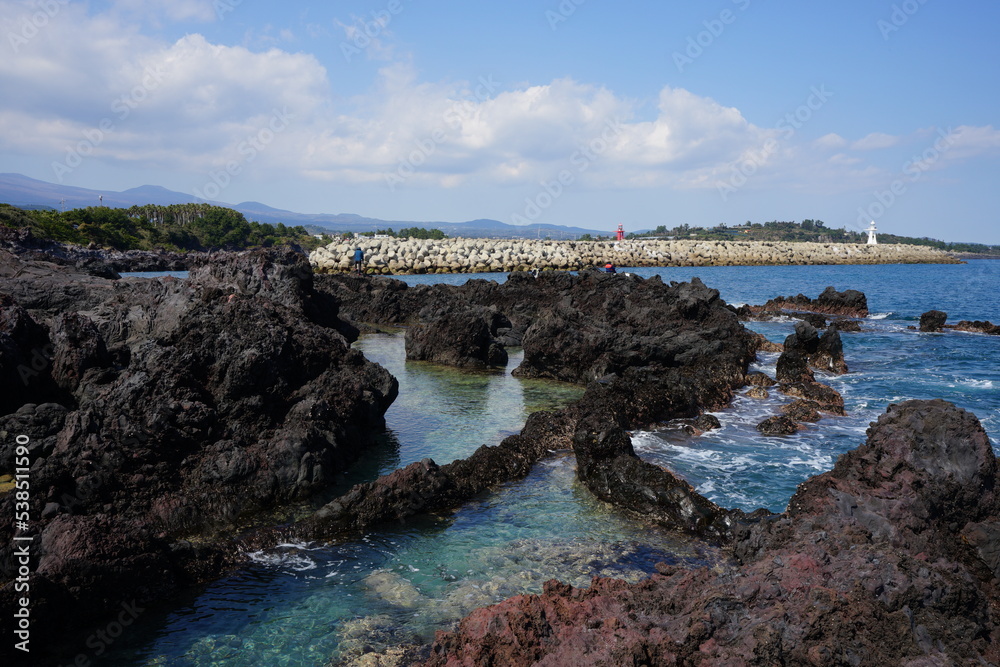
<point>178,227</point>
<point>808,230</point>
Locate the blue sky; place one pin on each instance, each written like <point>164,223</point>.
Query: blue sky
<point>578,112</point>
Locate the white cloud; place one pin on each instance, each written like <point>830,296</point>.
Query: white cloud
<point>188,105</point>
<point>185,105</point>
<point>830,141</point>
<point>876,141</point>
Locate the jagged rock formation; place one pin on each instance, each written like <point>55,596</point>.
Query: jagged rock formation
<point>933,320</point>
<point>849,303</point>
<point>888,559</point>
<point>167,412</point>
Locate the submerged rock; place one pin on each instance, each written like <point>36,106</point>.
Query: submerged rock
<point>701,423</point>
<point>885,560</point>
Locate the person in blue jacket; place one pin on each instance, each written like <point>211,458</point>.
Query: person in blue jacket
<point>359,261</point>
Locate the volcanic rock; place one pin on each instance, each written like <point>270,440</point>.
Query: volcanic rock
<point>608,466</point>
<point>843,324</point>
<point>701,423</point>
<point>802,410</point>
<point>885,560</point>
<point>184,408</point>
<point>806,349</point>
<point>826,398</point>
<point>849,303</point>
<point>933,320</point>
<point>758,379</point>
<point>814,319</point>
<point>977,326</point>
<point>456,336</point>
<point>777,425</point>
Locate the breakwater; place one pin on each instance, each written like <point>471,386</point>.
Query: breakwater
<point>404,256</point>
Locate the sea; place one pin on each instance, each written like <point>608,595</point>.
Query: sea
<point>307,604</point>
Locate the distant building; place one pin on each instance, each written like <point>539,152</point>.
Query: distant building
<point>871,234</point>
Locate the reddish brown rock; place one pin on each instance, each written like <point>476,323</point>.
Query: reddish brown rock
<point>802,410</point>
<point>977,326</point>
<point>778,425</point>
<point>885,560</point>
<point>849,303</point>
<point>825,397</point>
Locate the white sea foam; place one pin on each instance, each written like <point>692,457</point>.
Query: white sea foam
<point>291,561</point>
<point>879,316</point>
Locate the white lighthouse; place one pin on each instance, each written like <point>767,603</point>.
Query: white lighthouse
<point>871,234</point>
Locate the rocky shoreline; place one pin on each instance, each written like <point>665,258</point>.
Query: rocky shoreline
<point>166,417</point>
<point>888,559</point>
<point>391,256</point>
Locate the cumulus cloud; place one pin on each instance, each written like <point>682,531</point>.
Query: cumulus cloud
<point>185,105</point>
<point>830,141</point>
<point>193,105</point>
<point>875,141</point>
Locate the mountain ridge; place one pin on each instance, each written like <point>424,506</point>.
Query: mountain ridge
<point>26,192</point>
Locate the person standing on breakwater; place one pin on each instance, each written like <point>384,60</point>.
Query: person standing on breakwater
<point>359,261</point>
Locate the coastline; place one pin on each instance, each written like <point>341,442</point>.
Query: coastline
<point>391,256</point>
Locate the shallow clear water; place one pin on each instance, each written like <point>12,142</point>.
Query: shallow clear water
<point>154,274</point>
<point>307,604</point>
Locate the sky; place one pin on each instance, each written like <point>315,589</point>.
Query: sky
<point>572,112</point>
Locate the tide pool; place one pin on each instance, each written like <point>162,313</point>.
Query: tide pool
<point>316,604</point>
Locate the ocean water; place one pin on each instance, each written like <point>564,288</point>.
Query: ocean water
<point>318,604</point>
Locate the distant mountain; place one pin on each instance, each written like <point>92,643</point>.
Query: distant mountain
<point>26,192</point>
<point>22,191</point>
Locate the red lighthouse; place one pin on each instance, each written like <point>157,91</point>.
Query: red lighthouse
<point>621,233</point>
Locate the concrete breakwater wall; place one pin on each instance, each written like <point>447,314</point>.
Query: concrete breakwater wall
<point>399,256</point>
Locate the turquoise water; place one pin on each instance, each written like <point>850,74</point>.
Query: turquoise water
<point>310,604</point>
<point>154,274</point>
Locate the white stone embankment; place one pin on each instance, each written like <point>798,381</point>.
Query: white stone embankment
<point>399,256</point>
